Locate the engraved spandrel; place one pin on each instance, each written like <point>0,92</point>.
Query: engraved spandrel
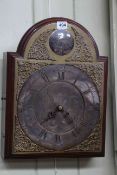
<point>38,49</point>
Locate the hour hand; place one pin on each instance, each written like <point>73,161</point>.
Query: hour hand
<point>51,115</point>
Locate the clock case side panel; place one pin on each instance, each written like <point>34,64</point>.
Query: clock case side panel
<point>105,60</point>
<point>8,103</point>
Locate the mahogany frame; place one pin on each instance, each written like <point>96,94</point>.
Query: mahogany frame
<point>8,99</point>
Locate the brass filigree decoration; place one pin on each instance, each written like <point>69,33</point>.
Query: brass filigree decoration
<point>24,144</point>
<point>82,52</point>
<point>92,143</point>
<point>95,71</point>
<point>24,70</point>
<point>38,49</point>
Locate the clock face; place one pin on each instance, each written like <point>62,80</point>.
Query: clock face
<point>58,106</point>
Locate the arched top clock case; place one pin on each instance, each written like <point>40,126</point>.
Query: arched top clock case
<point>54,93</point>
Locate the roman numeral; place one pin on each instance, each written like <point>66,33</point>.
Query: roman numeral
<point>44,76</point>
<point>75,81</point>
<point>58,138</point>
<point>87,91</point>
<point>90,89</point>
<point>61,75</point>
<point>43,134</point>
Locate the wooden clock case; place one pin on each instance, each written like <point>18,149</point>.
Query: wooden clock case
<point>33,53</point>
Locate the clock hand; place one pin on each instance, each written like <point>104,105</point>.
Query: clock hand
<point>51,115</point>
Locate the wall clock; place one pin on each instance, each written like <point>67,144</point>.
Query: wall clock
<point>54,93</point>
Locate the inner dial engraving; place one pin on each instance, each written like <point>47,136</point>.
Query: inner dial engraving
<point>58,106</point>
<point>60,100</point>
<point>61,42</point>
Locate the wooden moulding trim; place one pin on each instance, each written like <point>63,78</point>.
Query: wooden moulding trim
<point>9,104</point>
<point>11,56</point>
<point>105,60</point>
<point>37,26</point>
<point>54,155</point>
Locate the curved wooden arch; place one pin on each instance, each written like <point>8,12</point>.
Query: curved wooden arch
<point>26,37</point>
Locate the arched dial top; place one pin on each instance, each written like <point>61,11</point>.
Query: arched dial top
<point>43,41</point>
<point>58,106</point>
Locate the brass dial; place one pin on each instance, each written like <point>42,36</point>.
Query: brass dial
<point>58,106</point>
